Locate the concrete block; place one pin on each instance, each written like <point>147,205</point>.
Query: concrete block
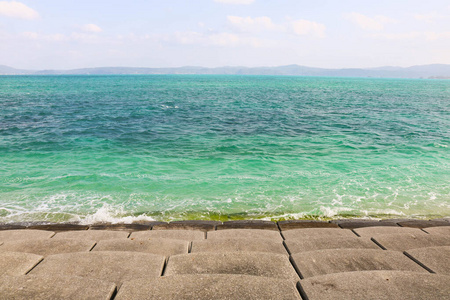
<point>359,223</point>
<point>423,223</point>
<point>297,224</point>
<point>49,287</point>
<point>186,235</point>
<point>188,225</point>
<point>113,266</point>
<point>301,234</point>
<point>17,263</point>
<point>24,234</point>
<point>58,227</point>
<point>120,227</point>
<point>377,230</point>
<point>402,242</point>
<point>48,246</point>
<point>444,230</point>
<point>244,234</point>
<point>435,259</point>
<point>248,224</point>
<point>244,263</point>
<point>322,243</point>
<point>321,262</point>
<point>205,287</point>
<point>377,285</point>
<point>159,246</point>
<point>92,235</point>
<point>11,226</point>
<point>238,245</point>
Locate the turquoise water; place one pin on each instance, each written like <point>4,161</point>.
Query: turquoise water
<point>124,148</point>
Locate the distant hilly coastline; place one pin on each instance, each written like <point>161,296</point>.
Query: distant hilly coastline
<point>434,71</point>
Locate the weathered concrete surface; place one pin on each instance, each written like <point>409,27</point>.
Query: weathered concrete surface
<point>48,246</point>
<point>121,227</point>
<point>58,227</point>
<point>377,230</point>
<point>445,230</point>
<point>205,287</point>
<point>322,243</point>
<point>436,259</point>
<point>321,262</point>
<point>239,244</point>
<point>423,223</point>
<point>377,285</point>
<point>248,224</point>
<point>159,246</point>
<point>113,266</point>
<point>188,225</point>
<point>360,223</point>
<point>245,234</point>
<point>92,235</point>
<point>244,263</point>
<point>301,234</point>
<point>186,235</point>
<point>17,263</point>
<point>24,234</point>
<point>402,242</point>
<point>49,287</point>
<point>297,224</point>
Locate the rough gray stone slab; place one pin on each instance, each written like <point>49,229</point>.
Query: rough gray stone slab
<point>301,234</point>
<point>17,263</point>
<point>159,246</point>
<point>58,227</point>
<point>244,263</point>
<point>239,244</point>
<point>190,224</point>
<point>113,266</point>
<point>11,226</point>
<point>373,231</point>
<point>436,259</point>
<point>355,223</point>
<point>445,230</point>
<point>244,234</point>
<point>186,235</point>
<point>321,262</point>
<point>423,223</point>
<point>150,223</point>
<point>322,243</point>
<point>187,287</point>
<point>92,235</point>
<point>48,246</point>
<point>248,224</point>
<point>377,285</point>
<point>402,242</point>
<point>297,224</point>
<point>121,227</point>
<point>24,234</point>
<point>49,287</point>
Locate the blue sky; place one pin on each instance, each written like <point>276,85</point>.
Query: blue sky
<point>62,34</point>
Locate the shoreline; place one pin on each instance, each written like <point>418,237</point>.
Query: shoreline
<point>345,223</point>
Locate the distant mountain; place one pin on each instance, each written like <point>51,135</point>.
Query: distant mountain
<point>424,71</point>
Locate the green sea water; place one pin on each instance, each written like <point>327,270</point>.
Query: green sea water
<point>124,148</point>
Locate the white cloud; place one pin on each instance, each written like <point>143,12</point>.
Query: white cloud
<point>16,9</point>
<point>57,37</point>
<point>91,28</point>
<point>422,35</point>
<point>253,24</point>
<point>305,27</point>
<point>365,22</point>
<point>245,2</point>
<point>429,17</point>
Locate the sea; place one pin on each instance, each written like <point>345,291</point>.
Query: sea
<point>125,148</point>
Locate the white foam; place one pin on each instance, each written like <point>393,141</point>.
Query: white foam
<point>109,214</point>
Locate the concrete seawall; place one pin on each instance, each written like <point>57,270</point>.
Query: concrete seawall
<point>340,259</point>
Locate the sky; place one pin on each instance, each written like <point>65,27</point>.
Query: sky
<point>63,34</point>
